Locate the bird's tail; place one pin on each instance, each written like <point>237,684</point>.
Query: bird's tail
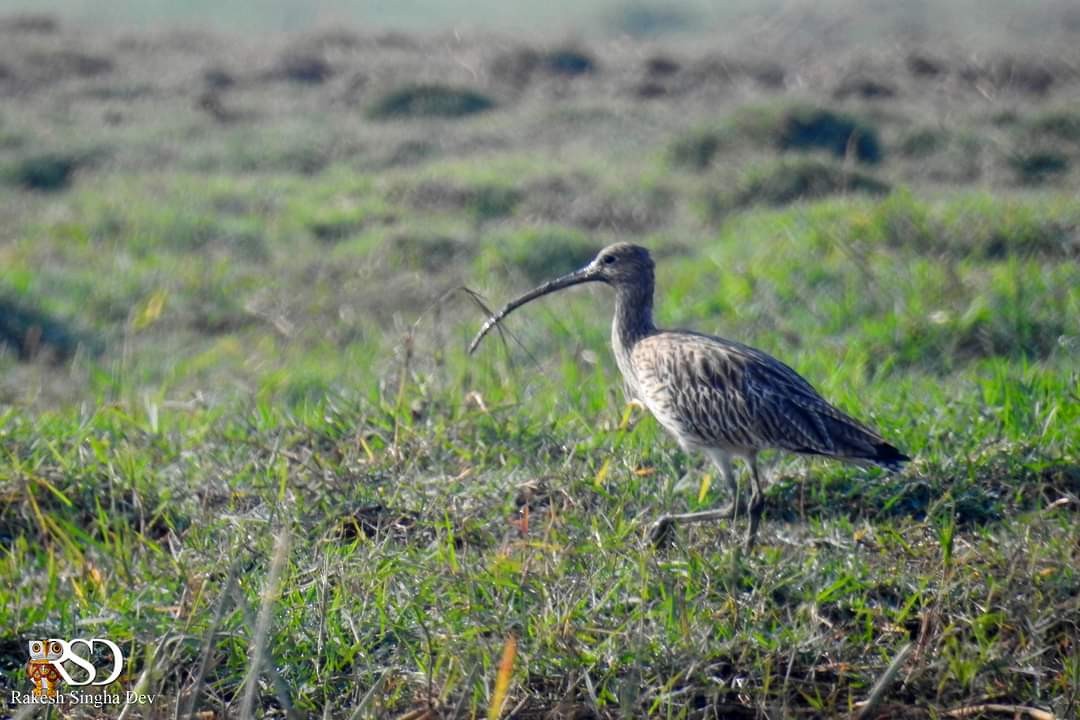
<point>848,439</point>
<point>888,457</point>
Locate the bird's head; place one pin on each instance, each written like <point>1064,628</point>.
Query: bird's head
<point>622,265</point>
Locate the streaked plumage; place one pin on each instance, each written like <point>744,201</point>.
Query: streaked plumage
<point>711,392</point>
<point>713,395</point>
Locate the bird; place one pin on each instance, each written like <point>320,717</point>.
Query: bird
<point>714,396</point>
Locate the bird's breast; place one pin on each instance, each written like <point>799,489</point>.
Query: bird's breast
<point>626,369</point>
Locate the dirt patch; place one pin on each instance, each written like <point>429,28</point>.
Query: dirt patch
<point>376,521</point>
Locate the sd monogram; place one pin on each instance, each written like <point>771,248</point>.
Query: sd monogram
<point>47,658</point>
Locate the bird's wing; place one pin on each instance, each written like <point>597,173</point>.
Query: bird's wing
<point>714,391</point>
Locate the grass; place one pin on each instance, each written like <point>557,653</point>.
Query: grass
<point>781,182</point>
<point>264,465</point>
<point>425,101</point>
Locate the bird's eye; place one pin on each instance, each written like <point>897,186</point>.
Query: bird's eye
<point>608,260</point>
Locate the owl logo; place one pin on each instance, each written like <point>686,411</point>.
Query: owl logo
<point>44,657</point>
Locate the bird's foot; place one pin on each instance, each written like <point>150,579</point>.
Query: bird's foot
<point>662,532</point>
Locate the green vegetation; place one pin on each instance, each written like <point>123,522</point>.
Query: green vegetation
<point>923,142</point>
<point>429,101</point>
<point>1061,125</point>
<point>28,332</point>
<point>1036,166</point>
<point>567,61</point>
<point>820,129</point>
<point>781,182</point>
<point>47,172</point>
<point>233,357</point>
<point>538,254</point>
<point>786,128</point>
<point>696,150</point>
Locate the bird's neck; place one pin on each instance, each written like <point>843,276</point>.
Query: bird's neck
<point>633,314</point>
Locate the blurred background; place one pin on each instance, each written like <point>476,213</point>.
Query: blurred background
<point>217,197</point>
<point>594,17</point>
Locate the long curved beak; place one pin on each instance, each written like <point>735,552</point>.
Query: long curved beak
<point>584,275</point>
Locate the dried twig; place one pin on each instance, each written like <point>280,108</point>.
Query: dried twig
<point>503,332</point>
<point>262,623</point>
<point>208,639</point>
<point>369,696</point>
<point>881,687</point>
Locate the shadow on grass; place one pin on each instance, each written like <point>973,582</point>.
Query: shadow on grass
<point>975,496</point>
<point>32,333</point>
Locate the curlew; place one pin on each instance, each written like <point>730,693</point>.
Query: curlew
<point>715,396</point>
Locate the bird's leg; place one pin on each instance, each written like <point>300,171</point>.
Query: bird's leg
<point>757,501</point>
<point>722,460</point>
<point>660,533</point>
<point>628,420</point>
<point>662,529</point>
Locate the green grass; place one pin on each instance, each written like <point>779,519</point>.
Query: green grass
<point>399,475</point>
<point>250,364</point>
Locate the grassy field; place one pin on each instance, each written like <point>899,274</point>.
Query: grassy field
<point>240,435</point>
